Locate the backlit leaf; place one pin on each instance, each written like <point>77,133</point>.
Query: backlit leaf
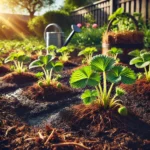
<point>83,77</point>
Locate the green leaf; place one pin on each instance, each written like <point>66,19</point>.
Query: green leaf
<point>143,64</point>
<point>146,56</point>
<point>115,51</point>
<point>87,51</point>
<point>89,96</point>
<point>119,11</point>
<point>39,74</point>
<point>135,53</point>
<point>136,60</point>
<point>52,47</point>
<point>102,63</point>
<point>58,66</point>
<point>24,58</point>
<point>35,63</point>
<point>11,57</point>
<point>45,59</point>
<point>115,22</point>
<point>121,74</point>
<point>113,75</point>
<point>127,76</point>
<point>83,77</point>
<point>120,91</point>
<point>111,17</point>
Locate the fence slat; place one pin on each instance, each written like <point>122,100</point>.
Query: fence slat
<point>132,7</point>
<point>143,11</point>
<point>103,8</point>
<point>148,12</point>
<point>137,6</point>
<point>127,7</point>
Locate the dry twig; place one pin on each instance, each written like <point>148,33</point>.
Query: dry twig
<point>71,144</point>
<point>9,129</point>
<point>50,136</point>
<point>41,136</point>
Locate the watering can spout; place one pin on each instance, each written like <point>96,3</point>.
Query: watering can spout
<point>74,30</point>
<point>56,37</point>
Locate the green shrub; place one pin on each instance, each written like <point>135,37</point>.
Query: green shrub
<point>88,36</point>
<point>38,24</point>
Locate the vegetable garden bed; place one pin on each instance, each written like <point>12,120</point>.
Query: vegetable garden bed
<point>48,117</point>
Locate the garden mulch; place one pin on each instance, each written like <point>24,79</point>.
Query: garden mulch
<point>78,127</point>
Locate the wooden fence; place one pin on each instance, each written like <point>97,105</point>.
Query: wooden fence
<point>103,8</point>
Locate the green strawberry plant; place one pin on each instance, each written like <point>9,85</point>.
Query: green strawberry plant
<point>48,66</point>
<point>88,54</point>
<point>103,67</point>
<point>65,53</point>
<point>19,59</point>
<point>141,60</point>
<point>122,22</point>
<point>114,52</point>
<point>52,50</point>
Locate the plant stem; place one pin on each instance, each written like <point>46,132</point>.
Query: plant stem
<point>99,96</point>
<point>50,75</point>
<point>15,63</point>
<point>146,73</point>
<point>109,91</point>
<point>104,89</point>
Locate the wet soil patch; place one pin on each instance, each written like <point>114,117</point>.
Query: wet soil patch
<point>28,108</point>
<point>137,98</point>
<point>16,134</point>
<point>54,92</point>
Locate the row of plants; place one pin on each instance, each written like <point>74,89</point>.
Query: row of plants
<point>100,72</point>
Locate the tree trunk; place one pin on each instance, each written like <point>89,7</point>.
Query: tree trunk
<point>31,15</point>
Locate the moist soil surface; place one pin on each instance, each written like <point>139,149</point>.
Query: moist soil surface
<point>12,81</point>
<point>137,99</point>
<point>54,92</point>
<point>89,128</point>
<point>78,127</point>
<point>4,70</point>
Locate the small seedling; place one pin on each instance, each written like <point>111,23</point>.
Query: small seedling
<point>141,60</point>
<point>88,54</point>
<point>52,50</point>
<point>102,67</point>
<point>65,53</point>
<point>19,59</point>
<point>114,52</point>
<point>48,66</point>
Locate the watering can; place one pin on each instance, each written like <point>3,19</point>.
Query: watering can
<point>56,37</point>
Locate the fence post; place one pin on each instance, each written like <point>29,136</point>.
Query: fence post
<point>113,6</point>
<point>143,11</point>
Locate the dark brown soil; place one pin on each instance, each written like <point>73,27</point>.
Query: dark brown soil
<point>12,81</point>
<point>17,135</point>
<point>137,99</point>
<point>19,78</point>
<point>4,69</point>
<point>70,64</point>
<point>89,126</point>
<point>108,127</point>
<point>48,93</point>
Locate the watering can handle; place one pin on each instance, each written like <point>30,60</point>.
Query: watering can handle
<point>49,25</point>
